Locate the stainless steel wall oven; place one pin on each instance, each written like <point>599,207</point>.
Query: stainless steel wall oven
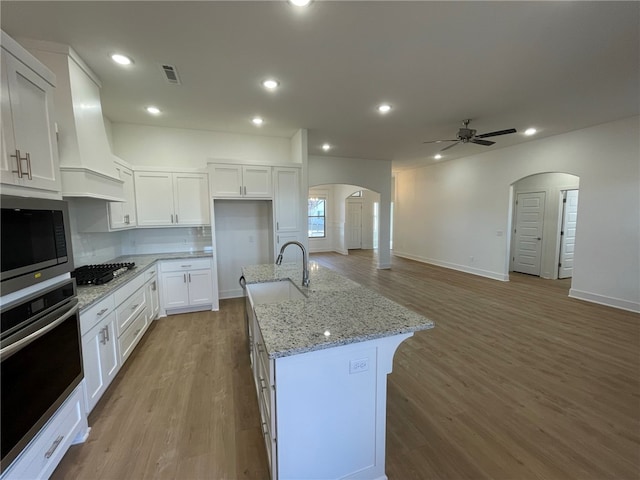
<point>41,362</point>
<point>36,241</point>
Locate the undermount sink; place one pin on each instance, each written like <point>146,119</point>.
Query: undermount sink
<point>273,292</point>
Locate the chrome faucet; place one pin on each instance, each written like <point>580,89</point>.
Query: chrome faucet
<point>305,261</point>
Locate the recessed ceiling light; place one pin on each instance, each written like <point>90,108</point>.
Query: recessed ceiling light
<point>257,121</point>
<point>153,110</point>
<point>530,131</point>
<point>384,108</point>
<point>270,84</point>
<point>300,3</point>
<point>121,59</point>
<point>437,156</point>
<point>326,147</point>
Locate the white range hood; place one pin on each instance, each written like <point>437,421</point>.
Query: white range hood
<point>86,162</point>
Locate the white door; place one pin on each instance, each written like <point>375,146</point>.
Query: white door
<point>175,290</point>
<point>354,225</point>
<point>287,199</point>
<point>191,199</point>
<point>200,287</point>
<point>31,100</point>
<point>528,232</point>
<point>568,233</point>
<point>256,182</point>
<point>154,197</point>
<point>226,181</point>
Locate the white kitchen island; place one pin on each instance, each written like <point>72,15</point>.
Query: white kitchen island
<point>320,361</point>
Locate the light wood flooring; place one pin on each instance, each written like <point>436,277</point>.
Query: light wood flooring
<point>517,381</point>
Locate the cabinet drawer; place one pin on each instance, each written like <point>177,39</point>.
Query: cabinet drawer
<point>128,289</point>
<point>93,315</point>
<point>150,274</point>
<point>266,433</point>
<point>42,455</point>
<point>264,391</point>
<point>186,264</point>
<point>132,336</point>
<point>129,310</point>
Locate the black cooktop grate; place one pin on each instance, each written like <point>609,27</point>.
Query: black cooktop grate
<point>99,274</point>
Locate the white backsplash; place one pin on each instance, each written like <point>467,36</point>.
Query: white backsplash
<point>166,240</point>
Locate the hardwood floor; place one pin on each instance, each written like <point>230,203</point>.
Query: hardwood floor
<point>517,381</point>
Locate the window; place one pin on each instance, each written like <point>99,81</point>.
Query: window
<point>317,217</point>
<point>357,194</point>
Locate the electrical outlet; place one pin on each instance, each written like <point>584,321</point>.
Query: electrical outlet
<point>360,365</point>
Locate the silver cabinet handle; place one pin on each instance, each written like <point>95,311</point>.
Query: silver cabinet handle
<point>18,162</point>
<point>134,306</point>
<point>185,277</point>
<point>102,312</point>
<point>172,218</point>
<point>106,333</point>
<point>185,266</point>
<point>245,190</point>
<point>55,444</point>
<point>277,225</point>
<point>240,190</point>
<point>126,219</point>
<point>262,384</point>
<point>264,429</point>
<point>29,166</point>
<point>176,218</point>
<point>189,278</point>
<point>153,286</point>
<point>103,337</point>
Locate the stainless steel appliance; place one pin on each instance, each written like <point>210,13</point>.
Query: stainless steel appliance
<point>41,363</point>
<point>36,241</point>
<point>99,274</point>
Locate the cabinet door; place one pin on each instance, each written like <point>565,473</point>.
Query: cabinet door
<point>154,300</point>
<point>154,198</point>
<point>116,209</point>
<point>226,181</point>
<point>31,103</point>
<point>200,287</point>
<point>256,182</point>
<point>8,165</point>
<point>287,199</point>
<point>191,197</point>
<point>175,290</point>
<point>129,205</point>
<point>293,252</point>
<point>100,359</point>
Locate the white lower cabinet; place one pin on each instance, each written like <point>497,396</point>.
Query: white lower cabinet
<point>110,330</point>
<point>153,294</point>
<point>100,357</point>
<point>187,285</point>
<point>40,458</point>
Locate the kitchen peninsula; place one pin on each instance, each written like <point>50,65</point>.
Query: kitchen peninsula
<point>320,357</point>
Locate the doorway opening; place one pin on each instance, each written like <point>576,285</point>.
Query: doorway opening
<point>544,225</point>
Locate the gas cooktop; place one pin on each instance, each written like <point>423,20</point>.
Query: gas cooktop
<point>99,274</point>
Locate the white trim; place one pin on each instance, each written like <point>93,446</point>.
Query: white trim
<point>454,266</point>
<point>605,300</point>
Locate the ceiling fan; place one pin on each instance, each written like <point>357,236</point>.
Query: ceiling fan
<point>468,135</point>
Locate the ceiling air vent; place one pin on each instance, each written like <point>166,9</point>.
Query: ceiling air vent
<point>171,74</point>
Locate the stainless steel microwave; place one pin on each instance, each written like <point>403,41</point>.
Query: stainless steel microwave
<point>36,241</point>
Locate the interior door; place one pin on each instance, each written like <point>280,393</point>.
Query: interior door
<point>568,233</point>
<point>528,233</point>
<point>354,225</point>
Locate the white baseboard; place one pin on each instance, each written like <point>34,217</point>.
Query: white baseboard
<point>231,293</point>
<point>454,266</point>
<point>605,300</point>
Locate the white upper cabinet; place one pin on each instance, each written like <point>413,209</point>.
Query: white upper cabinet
<point>171,199</point>
<point>123,214</point>
<point>240,181</point>
<point>287,199</point>
<point>30,152</point>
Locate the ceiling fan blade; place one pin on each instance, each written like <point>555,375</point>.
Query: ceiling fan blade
<point>486,143</point>
<point>496,133</point>
<point>435,141</point>
<point>452,145</point>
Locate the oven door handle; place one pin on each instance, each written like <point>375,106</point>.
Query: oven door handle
<point>23,342</point>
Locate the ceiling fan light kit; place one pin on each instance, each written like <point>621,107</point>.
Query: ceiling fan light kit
<point>469,135</point>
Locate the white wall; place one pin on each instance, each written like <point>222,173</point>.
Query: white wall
<point>451,211</point>
<point>552,184</point>
<point>371,174</point>
<point>148,146</point>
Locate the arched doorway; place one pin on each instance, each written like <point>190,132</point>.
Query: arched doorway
<point>544,224</point>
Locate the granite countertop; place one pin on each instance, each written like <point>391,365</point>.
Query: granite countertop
<point>336,311</point>
<point>90,294</point>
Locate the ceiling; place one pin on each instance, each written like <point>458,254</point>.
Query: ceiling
<point>555,66</point>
